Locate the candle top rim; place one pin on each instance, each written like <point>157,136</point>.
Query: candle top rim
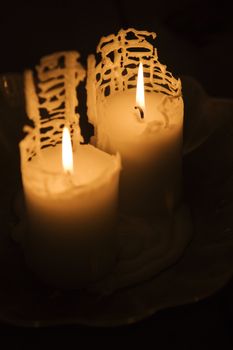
<point>37,177</point>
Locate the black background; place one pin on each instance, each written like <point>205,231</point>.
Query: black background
<point>194,38</point>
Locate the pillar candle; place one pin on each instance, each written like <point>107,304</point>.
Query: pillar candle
<point>71,240</point>
<point>148,137</point>
<point>70,188</point>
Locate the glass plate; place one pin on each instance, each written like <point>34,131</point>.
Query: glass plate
<point>205,266</point>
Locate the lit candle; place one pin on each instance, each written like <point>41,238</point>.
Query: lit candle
<point>71,199</point>
<point>144,124</point>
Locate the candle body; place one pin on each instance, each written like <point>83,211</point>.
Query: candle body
<point>151,149</point>
<point>71,237</point>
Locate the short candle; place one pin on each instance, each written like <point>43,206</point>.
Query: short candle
<point>71,205</point>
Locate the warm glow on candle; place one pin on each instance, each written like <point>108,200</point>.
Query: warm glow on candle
<point>140,97</point>
<point>67,153</point>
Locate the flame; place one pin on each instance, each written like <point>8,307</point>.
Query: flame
<point>140,96</point>
<point>67,153</point>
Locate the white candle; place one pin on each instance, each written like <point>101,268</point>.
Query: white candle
<point>71,194</point>
<point>149,138</point>
<point>150,148</point>
<point>72,212</point>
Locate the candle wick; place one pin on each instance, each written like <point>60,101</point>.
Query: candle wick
<point>68,173</point>
<point>69,177</point>
<point>141,111</point>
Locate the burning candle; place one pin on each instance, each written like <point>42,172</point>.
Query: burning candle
<point>143,123</point>
<point>71,199</point>
<point>71,214</point>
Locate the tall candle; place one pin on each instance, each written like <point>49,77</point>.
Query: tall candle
<point>150,150</point>
<point>149,138</point>
<point>71,192</point>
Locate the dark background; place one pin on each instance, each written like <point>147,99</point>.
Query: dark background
<point>194,38</point>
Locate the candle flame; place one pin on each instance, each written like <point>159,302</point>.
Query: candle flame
<point>140,96</point>
<point>67,153</point>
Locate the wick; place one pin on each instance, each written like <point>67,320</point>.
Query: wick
<point>69,177</point>
<point>68,173</point>
<point>141,111</point>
